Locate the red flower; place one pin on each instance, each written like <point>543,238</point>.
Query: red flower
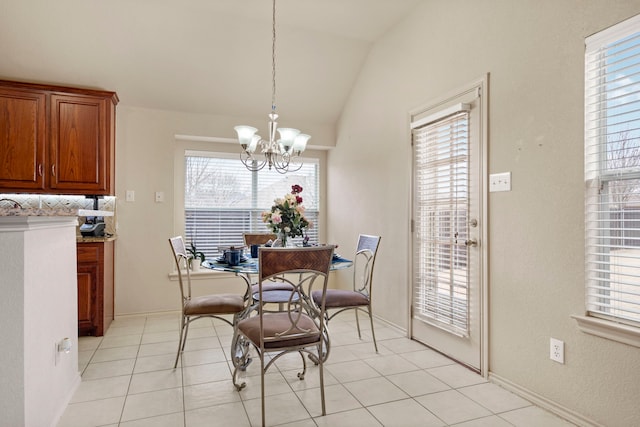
<point>295,189</point>
<point>298,199</point>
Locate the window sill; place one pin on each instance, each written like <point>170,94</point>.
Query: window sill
<point>202,274</point>
<point>610,330</point>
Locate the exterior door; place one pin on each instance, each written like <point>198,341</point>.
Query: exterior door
<point>447,311</point>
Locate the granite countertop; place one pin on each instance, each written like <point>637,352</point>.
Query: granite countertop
<point>82,239</point>
<point>4,211</point>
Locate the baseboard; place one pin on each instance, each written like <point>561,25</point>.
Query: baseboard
<point>391,325</point>
<point>543,402</point>
<point>72,390</point>
<point>145,313</point>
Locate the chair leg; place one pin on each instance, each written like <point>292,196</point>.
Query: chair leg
<point>186,332</point>
<point>180,345</point>
<point>304,366</point>
<point>358,323</point>
<point>321,373</point>
<point>264,423</point>
<point>373,332</point>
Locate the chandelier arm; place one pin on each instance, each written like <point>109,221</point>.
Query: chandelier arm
<point>251,163</point>
<point>291,165</point>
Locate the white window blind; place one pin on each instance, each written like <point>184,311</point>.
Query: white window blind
<point>223,199</point>
<point>612,173</point>
<point>441,170</point>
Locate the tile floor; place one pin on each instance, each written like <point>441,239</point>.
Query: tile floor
<point>128,381</point>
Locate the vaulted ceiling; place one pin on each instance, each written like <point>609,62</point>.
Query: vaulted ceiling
<point>200,56</point>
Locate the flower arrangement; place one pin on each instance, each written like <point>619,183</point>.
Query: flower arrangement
<point>286,217</point>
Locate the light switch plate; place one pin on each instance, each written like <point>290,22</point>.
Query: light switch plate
<point>159,196</point>
<point>130,196</point>
<point>500,182</point>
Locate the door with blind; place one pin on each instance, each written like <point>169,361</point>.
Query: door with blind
<point>448,234</point>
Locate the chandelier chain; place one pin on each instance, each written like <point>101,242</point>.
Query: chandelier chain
<point>273,61</point>
<point>281,154</point>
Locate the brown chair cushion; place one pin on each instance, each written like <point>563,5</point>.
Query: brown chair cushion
<point>340,298</point>
<point>275,323</point>
<point>214,304</point>
<point>271,286</point>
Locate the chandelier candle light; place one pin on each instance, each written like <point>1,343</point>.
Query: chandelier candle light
<point>257,152</point>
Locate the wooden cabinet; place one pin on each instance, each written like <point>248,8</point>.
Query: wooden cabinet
<point>56,140</point>
<point>22,139</point>
<point>95,287</point>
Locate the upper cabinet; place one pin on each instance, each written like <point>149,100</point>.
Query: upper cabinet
<point>56,140</point>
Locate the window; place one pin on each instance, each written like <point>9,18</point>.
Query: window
<point>222,199</point>
<point>441,216</point>
<point>612,173</point>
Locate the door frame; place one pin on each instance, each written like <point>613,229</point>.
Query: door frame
<point>482,84</point>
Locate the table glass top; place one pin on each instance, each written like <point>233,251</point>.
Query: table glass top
<point>250,266</point>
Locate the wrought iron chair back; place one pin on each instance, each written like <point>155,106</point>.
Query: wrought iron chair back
<point>300,326</point>
<point>218,306</point>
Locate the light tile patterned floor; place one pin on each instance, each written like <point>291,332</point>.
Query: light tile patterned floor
<point>128,381</point>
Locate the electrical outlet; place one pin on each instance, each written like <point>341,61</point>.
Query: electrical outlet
<point>556,350</point>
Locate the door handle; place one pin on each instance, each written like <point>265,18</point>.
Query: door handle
<point>472,242</point>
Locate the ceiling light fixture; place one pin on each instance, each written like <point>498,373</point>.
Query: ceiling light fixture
<point>282,154</point>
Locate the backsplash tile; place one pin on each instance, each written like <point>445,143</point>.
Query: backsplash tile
<point>108,203</point>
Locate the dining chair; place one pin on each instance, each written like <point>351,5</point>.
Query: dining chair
<point>359,297</point>
<point>196,307</point>
<point>301,325</point>
<point>260,239</point>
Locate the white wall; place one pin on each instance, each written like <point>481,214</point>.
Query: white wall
<point>533,50</point>
<point>38,310</point>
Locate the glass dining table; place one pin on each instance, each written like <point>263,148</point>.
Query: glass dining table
<point>247,268</point>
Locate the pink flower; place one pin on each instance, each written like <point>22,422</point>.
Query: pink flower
<point>276,218</point>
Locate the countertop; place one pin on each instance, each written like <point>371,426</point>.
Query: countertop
<point>4,211</point>
<point>81,239</point>
<point>47,212</point>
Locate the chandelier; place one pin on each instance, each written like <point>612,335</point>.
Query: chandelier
<point>281,154</point>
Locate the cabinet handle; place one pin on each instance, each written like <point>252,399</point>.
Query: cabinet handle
<point>53,170</point>
<point>40,169</point>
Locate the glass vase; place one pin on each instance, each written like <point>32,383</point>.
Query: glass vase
<point>283,241</point>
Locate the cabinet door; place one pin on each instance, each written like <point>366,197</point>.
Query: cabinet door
<point>90,288</point>
<point>22,139</point>
<point>87,287</point>
<point>79,148</point>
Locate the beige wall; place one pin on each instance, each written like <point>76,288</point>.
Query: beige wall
<point>145,154</point>
<point>534,52</point>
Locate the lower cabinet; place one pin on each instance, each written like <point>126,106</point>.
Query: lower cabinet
<point>95,287</point>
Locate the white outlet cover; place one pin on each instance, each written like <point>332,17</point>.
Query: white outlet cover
<point>500,182</point>
<point>556,350</point>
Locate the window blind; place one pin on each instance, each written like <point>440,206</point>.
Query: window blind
<point>223,199</point>
<point>612,173</point>
<point>441,174</point>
